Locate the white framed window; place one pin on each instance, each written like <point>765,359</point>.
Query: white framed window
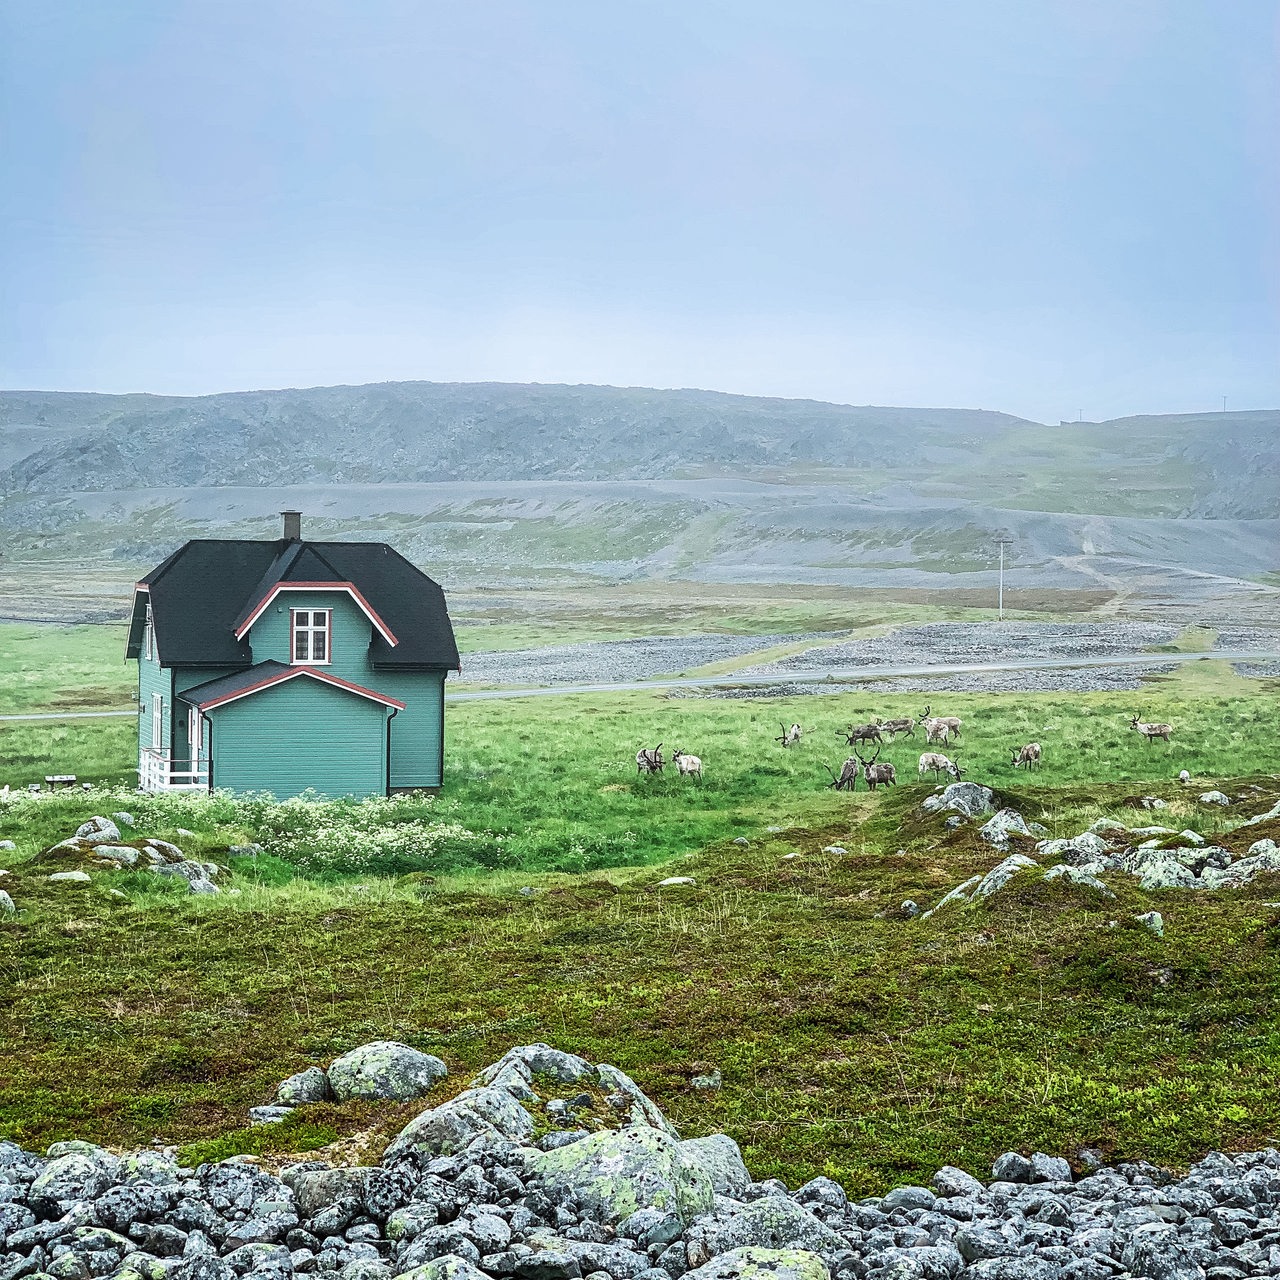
<point>310,630</point>
<point>157,720</point>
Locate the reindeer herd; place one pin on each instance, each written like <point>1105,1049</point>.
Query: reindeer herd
<point>941,730</point>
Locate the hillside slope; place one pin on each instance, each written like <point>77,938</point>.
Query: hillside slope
<point>1208,465</point>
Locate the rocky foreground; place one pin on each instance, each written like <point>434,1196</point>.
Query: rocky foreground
<point>519,1177</point>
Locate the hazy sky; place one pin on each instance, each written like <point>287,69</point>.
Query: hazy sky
<point>1043,206</point>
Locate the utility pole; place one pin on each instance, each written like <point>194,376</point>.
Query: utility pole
<point>1002,543</point>
<point>1224,404</point>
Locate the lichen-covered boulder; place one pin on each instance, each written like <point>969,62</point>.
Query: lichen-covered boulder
<point>1002,828</point>
<point>316,1189</point>
<point>640,1109</point>
<point>1214,797</point>
<point>67,1178</point>
<point>311,1085</point>
<point>539,1059</point>
<point>7,907</point>
<point>98,831</point>
<point>755,1263</point>
<point>721,1159</point>
<point>1077,875</point>
<point>1263,857</point>
<point>447,1267</point>
<point>454,1125</point>
<point>612,1174</point>
<point>775,1222</point>
<point>1085,847</point>
<point>1002,873</point>
<point>968,798</point>
<point>385,1069</point>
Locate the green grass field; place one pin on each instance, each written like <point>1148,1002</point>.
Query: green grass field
<point>853,1041</point>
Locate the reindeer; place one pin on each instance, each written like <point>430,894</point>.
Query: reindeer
<point>878,774</point>
<point>936,762</point>
<point>932,725</point>
<point>894,727</point>
<point>848,777</point>
<point>790,737</point>
<point>1027,757</point>
<point>1151,731</point>
<point>650,761</point>
<point>687,765</point>
<point>856,733</point>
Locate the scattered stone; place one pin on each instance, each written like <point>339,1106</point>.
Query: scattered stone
<point>1152,921</point>
<point>676,882</point>
<point>7,846</point>
<point>1273,812</point>
<point>910,909</point>
<point>1184,776</point>
<point>70,877</point>
<point>741,840</point>
<point>269,1114</point>
<point>124,819</point>
<point>705,1083</point>
<point>385,1069</point>
<point>1214,797</point>
<point>7,907</point>
<point>837,849</point>
<point>1002,873</point>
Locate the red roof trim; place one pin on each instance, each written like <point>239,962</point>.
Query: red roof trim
<point>282,676</point>
<point>349,587</point>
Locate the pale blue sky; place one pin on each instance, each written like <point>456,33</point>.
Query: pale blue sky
<point>1042,206</point>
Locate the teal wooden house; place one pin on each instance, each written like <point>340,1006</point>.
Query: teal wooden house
<point>289,665</point>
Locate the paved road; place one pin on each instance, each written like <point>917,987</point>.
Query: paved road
<point>817,676</point>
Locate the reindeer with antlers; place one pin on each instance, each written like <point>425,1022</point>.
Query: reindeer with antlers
<point>878,775</point>
<point>1151,731</point>
<point>847,780</point>
<point>650,761</point>
<point>790,737</point>
<point>857,733</point>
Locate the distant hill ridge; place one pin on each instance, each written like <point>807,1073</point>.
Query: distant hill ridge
<point>62,442</point>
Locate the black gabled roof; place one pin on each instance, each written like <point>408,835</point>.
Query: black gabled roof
<point>209,586</point>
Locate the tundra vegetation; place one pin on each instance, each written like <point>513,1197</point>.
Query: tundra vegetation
<point>851,1039</point>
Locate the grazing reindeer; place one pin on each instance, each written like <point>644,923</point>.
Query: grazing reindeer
<point>856,733</point>
<point>878,774</point>
<point>790,737</point>
<point>1151,731</point>
<point>687,765</point>
<point>933,723</point>
<point>894,727</point>
<point>1027,757</point>
<point>848,778</point>
<point>650,761</point>
<point>936,762</point>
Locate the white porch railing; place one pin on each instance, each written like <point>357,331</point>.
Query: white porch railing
<point>157,773</point>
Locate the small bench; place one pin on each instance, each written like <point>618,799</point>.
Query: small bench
<point>54,780</point>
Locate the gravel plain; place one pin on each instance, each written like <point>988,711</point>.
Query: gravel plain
<point>940,643</point>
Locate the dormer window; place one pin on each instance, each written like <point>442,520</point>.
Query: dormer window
<point>311,636</point>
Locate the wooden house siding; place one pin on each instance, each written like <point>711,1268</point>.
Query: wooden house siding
<point>154,679</point>
<point>183,679</point>
<point>349,635</point>
<point>417,745</point>
<point>300,735</point>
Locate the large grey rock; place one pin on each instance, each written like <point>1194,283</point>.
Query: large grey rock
<point>71,1177</point>
<point>1214,797</point>
<point>1002,873</point>
<point>612,1174</point>
<point>1273,812</point>
<point>539,1060</point>
<point>1164,872</point>
<point>1085,847</point>
<point>1011,1167</point>
<point>7,907</point>
<point>1263,858</point>
<point>454,1125</point>
<point>316,1189</point>
<point>70,877</point>
<point>640,1108</point>
<point>721,1159</point>
<point>98,831</point>
<point>311,1085</point>
<point>755,1263</point>
<point>950,1181</point>
<point>385,1069</point>
<point>1004,827</point>
<point>968,798</point>
<point>1046,1168</point>
<point>775,1222</point>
